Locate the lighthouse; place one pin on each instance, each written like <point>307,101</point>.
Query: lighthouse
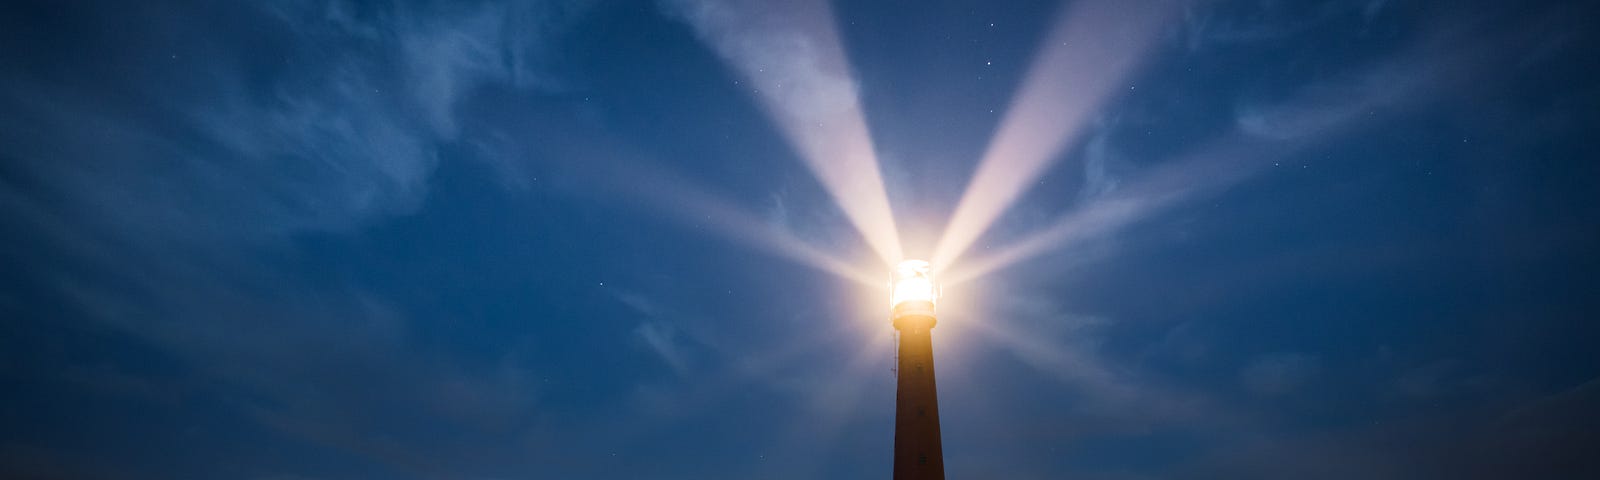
<point>918,453</point>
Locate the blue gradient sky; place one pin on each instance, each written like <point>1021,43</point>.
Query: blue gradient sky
<point>472,240</point>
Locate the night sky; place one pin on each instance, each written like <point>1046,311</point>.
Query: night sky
<point>632,239</point>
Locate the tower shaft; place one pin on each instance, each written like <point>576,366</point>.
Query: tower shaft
<point>918,451</point>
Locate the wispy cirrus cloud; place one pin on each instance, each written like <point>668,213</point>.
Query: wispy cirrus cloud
<point>1278,373</point>
<point>346,130</point>
<point>1228,23</point>
<point>164,212</point>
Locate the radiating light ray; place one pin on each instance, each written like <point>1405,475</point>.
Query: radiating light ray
<point>790,54</point>
<point>1112,396</point>
<point>667,194</point>
<point>1070,365</point>
<point>1093,47</point>
<point>618,175</point>
<point>1318,112</point>
<point>1212,168</point>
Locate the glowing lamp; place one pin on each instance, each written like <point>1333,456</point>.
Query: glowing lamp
<point>913,292</point>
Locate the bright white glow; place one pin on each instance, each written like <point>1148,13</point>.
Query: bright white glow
<point>1094,46</point>
<point>790,58</point>
<point>913,282</point>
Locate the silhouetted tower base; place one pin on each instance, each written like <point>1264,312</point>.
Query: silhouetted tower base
<point>918,451</point>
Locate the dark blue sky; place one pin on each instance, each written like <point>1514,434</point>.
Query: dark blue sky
<point>485,240</point>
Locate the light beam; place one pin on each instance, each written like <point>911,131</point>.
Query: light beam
<point>667,194</point>
<point>790,54</point>
<point>1314,114</point>
<point>1093,47</point>
<point>1222,164</point>
<point>620,176</point>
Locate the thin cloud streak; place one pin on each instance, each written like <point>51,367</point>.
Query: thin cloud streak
<point>1094,46</point>
<point>170,218</point>
<point>790,54</point>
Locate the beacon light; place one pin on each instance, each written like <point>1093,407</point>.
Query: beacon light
<point>913,291</point>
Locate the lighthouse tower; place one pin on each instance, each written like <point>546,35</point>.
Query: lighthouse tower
<point>918,453</point>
